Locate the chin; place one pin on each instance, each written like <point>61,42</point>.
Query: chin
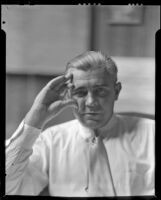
<point>92,124</point>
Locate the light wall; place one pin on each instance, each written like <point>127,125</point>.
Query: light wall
<point>129,37</point>
<point>41,39</point>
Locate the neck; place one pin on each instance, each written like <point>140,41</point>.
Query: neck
<point>96,132</point>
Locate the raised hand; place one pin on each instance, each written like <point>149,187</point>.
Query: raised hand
<point>51,100</point>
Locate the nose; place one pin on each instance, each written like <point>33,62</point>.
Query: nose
<point>91,101</point>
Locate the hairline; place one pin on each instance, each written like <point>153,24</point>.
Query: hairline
<point>108,73</point>
<point>88,62</point>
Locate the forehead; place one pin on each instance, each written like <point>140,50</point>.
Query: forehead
<point>91,78</point>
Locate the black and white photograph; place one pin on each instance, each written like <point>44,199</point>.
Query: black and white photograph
<point>80,100</point>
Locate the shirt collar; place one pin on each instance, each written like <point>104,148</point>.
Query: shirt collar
<point>87,133</point>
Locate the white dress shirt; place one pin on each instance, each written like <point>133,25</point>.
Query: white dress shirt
<point>62,157</point>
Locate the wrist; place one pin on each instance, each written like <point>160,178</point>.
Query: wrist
<point>32,121</point>
<point>36,118</point>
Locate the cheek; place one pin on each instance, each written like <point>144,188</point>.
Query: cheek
<point>81,104</point>
<point>107,102</point>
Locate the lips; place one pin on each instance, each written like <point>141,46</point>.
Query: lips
<point>91,114</point>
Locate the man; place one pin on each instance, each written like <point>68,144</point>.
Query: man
<point>97,154</point>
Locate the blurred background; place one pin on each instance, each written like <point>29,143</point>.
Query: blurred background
<point>41,39</point>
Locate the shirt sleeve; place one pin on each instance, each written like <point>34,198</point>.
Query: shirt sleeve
<point>26,162</point>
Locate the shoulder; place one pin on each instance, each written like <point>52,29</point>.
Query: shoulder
<point>64,127</point>
<point>134,123</point>
<point>137,134</point>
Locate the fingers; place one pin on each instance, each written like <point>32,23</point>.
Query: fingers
<point>69,76</point>
<point>65,87</point>
<point>69,102</point>
<point>63,91</point>
<point>58,81</point>
<point>70,85</point>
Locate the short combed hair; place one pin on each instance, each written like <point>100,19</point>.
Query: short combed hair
<point>91,60</point>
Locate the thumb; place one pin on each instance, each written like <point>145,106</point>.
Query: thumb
<point>69,103</point>
<point>58,106</point>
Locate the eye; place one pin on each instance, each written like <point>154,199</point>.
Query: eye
<point>102,92</point>
<point>79,93</point>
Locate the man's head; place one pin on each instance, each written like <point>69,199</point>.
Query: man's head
<point>95,88</point>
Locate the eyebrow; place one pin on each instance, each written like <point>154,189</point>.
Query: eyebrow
<point>95,86</point>
<point>79,88</point>
<point>101,85</point>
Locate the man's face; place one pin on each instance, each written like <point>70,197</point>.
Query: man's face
<point>95,93</point>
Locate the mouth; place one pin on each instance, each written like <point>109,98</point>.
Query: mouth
<point>91,114</point>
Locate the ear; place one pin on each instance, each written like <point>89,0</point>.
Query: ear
<point>118,88</point>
